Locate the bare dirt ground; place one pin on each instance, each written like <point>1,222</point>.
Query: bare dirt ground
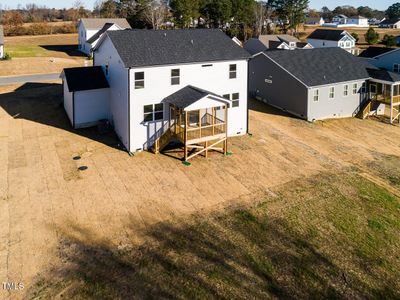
<point>41,54</point>
<point>44,198</point>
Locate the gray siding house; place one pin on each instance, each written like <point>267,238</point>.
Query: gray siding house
<point>315,84</point>
<point>383,58</point>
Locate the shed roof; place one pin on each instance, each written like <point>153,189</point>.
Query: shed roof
<point>139,48</point>
<point>321,66</point>
<point>85,78</point>
<point>189,95</point>
<point>98,23</point>
<point>1,35</point>
<point>327,34</point>
<point>372,52</point>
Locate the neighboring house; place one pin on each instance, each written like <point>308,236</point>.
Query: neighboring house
<point>339,19</point>
<point>375,21</point>
<point>358,21</point>
<point>274,41</point>
<point>328,38</point>
<point>188,85</point>
<point>1,42</point>
<point>316,84</point>
<point>90,30</point>
<point>314,21</point>
<point>390,23</point>
<point>383,58</point>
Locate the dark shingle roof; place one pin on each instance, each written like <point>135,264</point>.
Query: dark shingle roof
<point>389,22</point>
<point>98,23</point>
<point>85,78</point>
<point>1,35</point>
<point>321,66</point>
<point>384,75</point>
<point>372,52</point>
<point>138,48</point>
<point>326,34</point>
<point>99,33</point>
<point>187,96</point>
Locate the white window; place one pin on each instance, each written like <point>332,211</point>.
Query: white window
<point>153,112</point>
<point>232,71</point>
<point>139,80</point>
<point>235,100</point>
<point>396,68</point>
<point>373,88</point>
<point>348,44</point>
<point>175,76</point>
<point>316,95</point>
<point>355,88</point>
<point>345,90</point>
<point>331,92</point>
<point>227,96</point>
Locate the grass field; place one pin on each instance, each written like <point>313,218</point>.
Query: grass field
<point>299,210</point>
<point>57,45</point>
<point>41,54</point>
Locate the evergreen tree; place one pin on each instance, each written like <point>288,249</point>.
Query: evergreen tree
<point>371,36</point>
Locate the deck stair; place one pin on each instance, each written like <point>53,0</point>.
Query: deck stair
<point>366,109</point>
<point>163,141</point>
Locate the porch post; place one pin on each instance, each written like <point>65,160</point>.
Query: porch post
<point>186,149</point>
<point>226,130</point>
<point>213,120</point>
<point>200,123</point>
<point>391,104</point>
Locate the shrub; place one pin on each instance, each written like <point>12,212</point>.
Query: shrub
<point>355,35</point>
<point>371,36</point>
<point>389,40</point>
<point>7,56</point>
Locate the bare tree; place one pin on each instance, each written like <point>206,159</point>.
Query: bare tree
<point>260,11</point>
<point>156,13</point>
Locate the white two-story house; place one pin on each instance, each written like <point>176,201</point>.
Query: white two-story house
<point>190,85</point>
<point>90,31</point>
<point>329,38</point>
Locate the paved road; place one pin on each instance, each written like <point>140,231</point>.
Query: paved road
<point>6,80</point>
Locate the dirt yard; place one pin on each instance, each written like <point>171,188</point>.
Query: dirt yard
<point>58,223</point>
<point>41,54</point>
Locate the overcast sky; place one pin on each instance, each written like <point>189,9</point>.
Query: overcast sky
<point>379,4</point>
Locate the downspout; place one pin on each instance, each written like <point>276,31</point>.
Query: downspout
<point>248,87</point>
<point>129,111</point>
<point>73,110</point>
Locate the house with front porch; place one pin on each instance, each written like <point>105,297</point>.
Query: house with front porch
<point>183,86</point>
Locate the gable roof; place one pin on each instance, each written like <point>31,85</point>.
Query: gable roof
<point>1,35</point>
<point>189,95</point>
<point>321,66</point>
<point>85,78</point>
<point>100,32</point>
<point>98,23</point>
<point>142,47</point>
<point>327,34</point>
<point>389,22</point>
<point>372,52</point>
<point>267,38</point>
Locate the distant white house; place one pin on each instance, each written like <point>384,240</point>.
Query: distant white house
<point>315,21</point>
<point>328,38</point>
<point>390,23</point>
<point>1,42</point>
<point>339,19</point>
<point>357,21</point>
<point>90,31</point>
<point>186,85</point>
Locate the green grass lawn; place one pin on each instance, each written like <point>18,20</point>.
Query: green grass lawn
<point>336,235</point>
<point>26,51</point>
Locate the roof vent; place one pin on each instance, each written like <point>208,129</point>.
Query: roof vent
<point>324,76</point>
<point>192,42</point>
<point>165,34</point>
